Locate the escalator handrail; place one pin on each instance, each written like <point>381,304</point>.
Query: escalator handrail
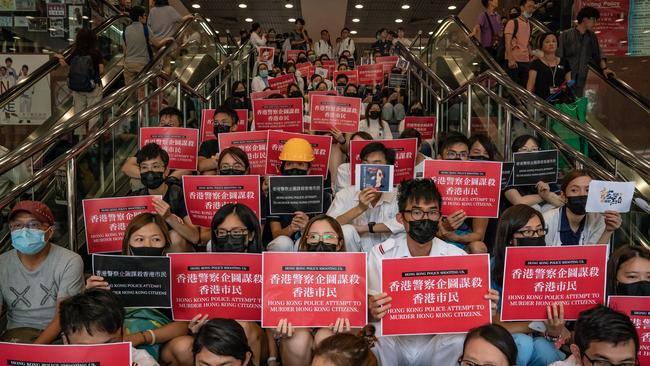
<point>225,63</point>
<point>20,88</point>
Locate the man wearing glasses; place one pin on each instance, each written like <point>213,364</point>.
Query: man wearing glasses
<point>35,276</point>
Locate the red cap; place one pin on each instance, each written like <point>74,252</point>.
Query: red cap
<point>37,208</point>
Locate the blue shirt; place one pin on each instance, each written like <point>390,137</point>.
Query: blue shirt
<point>567,235</point>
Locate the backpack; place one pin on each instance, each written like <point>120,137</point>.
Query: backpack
<point>81,77</point>
<point>500,50</point>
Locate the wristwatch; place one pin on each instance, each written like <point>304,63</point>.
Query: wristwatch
<point>371,227</point>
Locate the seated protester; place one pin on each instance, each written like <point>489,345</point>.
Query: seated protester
<point>344,349</point>
<point>323,86</point>
<point>393,100</point>
<point>296,156</point>
<point>322,234</point>
<point>367,217</point>
<point>315,80</point>
<point>343,172</point>
<point>239,98</point>
<point>571,224</point>
<point>482,148</point>
<point>168,117</point>
<point>147,329</point>
<point>539,196</point>
<point>420,158</point>
<point>352,91</point>
<point>35,276</point>
<point>419,211</point>
<point>341,80</point>
<point>300,80</point>
<point>225,120</point>
<point>221,342</point>
<point>628,271</point>
<point>153,162</point>
<point>603,337</point>
<point>294,91</point>
<point>489,344</point>
<point>457,228</point>
<point>96,316</point>
<point>234,229</point>
<point>520,226</point>
<point>342,66</point>
<point>276,71</point>
<point>374,125</point>
<point>260,81</point>
<point>417,110</point>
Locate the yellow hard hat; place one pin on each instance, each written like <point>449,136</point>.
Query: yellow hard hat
<point>297,149</point>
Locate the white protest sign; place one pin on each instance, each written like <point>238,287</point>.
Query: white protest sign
<point>609,196</point>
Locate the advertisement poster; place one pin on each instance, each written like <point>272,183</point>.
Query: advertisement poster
<point>371,74</point>
<point>106,220</point>
<point>24,5</point>
<point>221,285</point>
<point>278,114</point>
<point>182,144</point>
<point>532,167</point>
<point>612,26</point>
<point>57,27</point>
<point>405,153</point>
<point>328,111</point>
<point>320,144</point>
<point>638,309</point>
<point>314,289</point>
<point>142,282</point>
<point>55,10</point>
<point>436,295</point>
<point>108,354</point>
<point>288,194</point>
<point>471,186</point>
<point>207,123</point>
<point>639,22</point>
<point>379,177</point>
<point>34,106</point>
<point>353,76</point>
<point>609,196</point>
<point>37,24</point>
<point>264,94</point>
<point>536,277</point>
<point>425,125</point>
<point>282,82</point>
<point>265,56</point>
<point>205,194</point>
<point>254,145</point>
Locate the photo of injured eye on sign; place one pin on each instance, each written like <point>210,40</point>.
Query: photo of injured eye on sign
<point>379,177</point>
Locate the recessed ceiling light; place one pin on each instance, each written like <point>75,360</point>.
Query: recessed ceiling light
<point>84,17</point>
<point>431,33</point>
<point>439,21</point>
<point>16,37</point>
<point>243,6</point>
<point>356,20</point>
<point>249,20</point>
<point>398,20</point>
<point>452,7</point>
<point>208,20</point>
<point>288,5</point>
<point>406,6</point>
<point>196,6</point>
<point>353,32</point>
<point>292,20</point>
<point>359,6</point>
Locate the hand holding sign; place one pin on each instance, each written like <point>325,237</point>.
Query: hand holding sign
<point>379,305</point>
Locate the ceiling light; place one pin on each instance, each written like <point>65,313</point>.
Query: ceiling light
<point>356,20</point>
<point>431,33</point>
<point>196,6</point>
<point>208,20</point>
<point>439,21</point>
<point>16,37</point>
<point>288,5</point>
<point>452,7</point>
<point>359,6</point>
<point>353,32</point>
<point>406,6</point>
<point>217,32</point>
<point>646,31</point>
<point>249,20</point>
<point>292,20</point>
<point>398,20</point>
<point>84,17</point>
<point>243,6</point>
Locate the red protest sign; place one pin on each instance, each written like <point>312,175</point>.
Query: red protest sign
<point>221,285</point>
<point>207,123</point>
<point>205,194</point>
<point>405,153</point>
<point>282,82</point>
<point>242,122</point>
<point>471,186</point>
<point>264,94</point>
<point>425,125</point>
<point>353,76</point>
<point>293,54</point>
<point>265,55</point>
<point>371,74</point>
<point>106,220</point>
<point>306,69</point>
<point>320,144</point>
<point>321,92</point>
<point>387,62</point>
<point>330,65</point>
<point>182,144</point>
<point>314,289</point>
<point>254,145</point>
<point>638,309</point>
<point>107,354</point>
<point>329,112</point>
<point>434,295</point>
<point>536,277</point>
<point>278,114</point>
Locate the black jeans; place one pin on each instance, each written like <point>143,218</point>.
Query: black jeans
<point>519,74</point>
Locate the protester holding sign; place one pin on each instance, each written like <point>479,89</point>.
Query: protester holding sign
<point>420,157</point>
<point>374,125</point>
<point>489,344</point>
<point>343,171</point>
<point>261,81</point>
<point>628,271</point>
<point>221,342</point>
<point>239,98</point>
<point>393,99</point>
<point>571,224</point>
<point>153,162</point>
<point>225,120</point>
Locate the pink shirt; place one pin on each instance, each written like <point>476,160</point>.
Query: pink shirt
<point>519,44</point>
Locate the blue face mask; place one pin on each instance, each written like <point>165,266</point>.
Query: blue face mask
<point>28,241</point>
<point>264,73</point>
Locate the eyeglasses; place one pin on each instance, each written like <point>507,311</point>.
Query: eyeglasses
<point>314,238</point>
<point>462,362</point>
<point>13,226</point>
<point>527,149</point>
<point>607,363</point>
<point>451,154</point>
<point>236,232</point>
<point>530,232</point>
<point>418,214</point>
<point>235,166</point>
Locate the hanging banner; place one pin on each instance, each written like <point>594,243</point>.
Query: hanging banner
<point>533,167</point>
<point>405,153</point>
<point>313,289</point>
<point>638,309</point>
<point>436,295</point>
<point>282,82</point>
<point>471,186</point>
<point>206,194</point>
<point>220,285</point>
<point>612,25</point>
<point>106,220</point>
<point>288,194</point>
<point>371,74</point>
<point>207,123</point>
<point>537,277</point>
<point>327,112</point>
<point>182,144</point>
<point>353,76</point>
<point>278,114</point>
<point>425,125</point>
<point>107,354</point>
<point>320,145</point>
<point>254,145</point>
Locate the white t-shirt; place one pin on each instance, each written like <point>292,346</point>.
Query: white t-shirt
<point>419,168</point>
<point>377,131</point>
<point>140,357</point>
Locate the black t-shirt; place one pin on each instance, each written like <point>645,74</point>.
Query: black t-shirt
<point>98,59</point>
<point>209,148</point>
<point>548,77</point>
<point>173,197</point>
<point>238,103</point>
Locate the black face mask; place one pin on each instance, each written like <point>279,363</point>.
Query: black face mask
<point>302,60</point>
<point>230,244</point>
<point>294,172</point>
<point>417,112</point>
<point>147,251</point>
<point>513,16</point>
<point>373,115</point>
<point>295,94</point>
<point>351,95</point>
<point>423,231</point>
<point>531,241</point>
<point>577,204</point>
<point>478,158</point>
<point>239,94</point>
<point>640,288</point>
<point>321,247</point>
<point>231,172</point>
<point>221,129</point>
<point>152,180</point>
<point>341,83</point>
